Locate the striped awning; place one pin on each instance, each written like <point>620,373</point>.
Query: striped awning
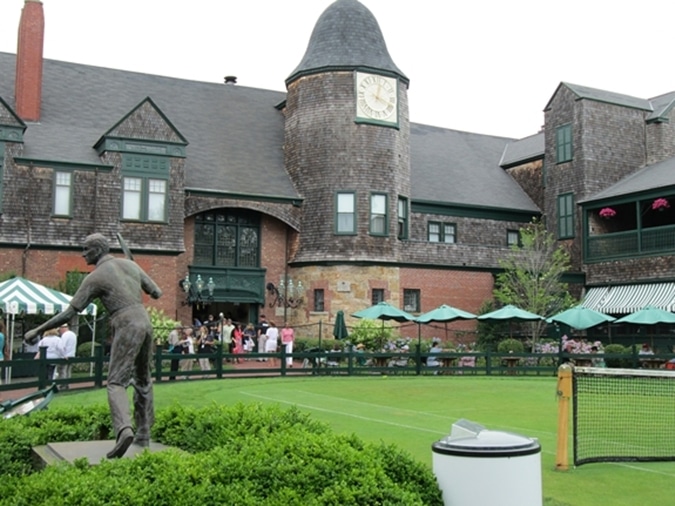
<point>18,295</point>
<point>626,299</point>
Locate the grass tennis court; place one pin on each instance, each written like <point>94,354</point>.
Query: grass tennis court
<point>414,412</point>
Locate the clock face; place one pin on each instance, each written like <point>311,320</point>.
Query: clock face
<point>376,98</point>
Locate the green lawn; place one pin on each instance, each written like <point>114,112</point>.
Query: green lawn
<point>414,412</point>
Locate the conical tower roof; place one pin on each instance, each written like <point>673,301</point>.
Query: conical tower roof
<point>346,36</point>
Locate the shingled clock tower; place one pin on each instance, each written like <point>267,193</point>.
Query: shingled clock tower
<point>347,142</point>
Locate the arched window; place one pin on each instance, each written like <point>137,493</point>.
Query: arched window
<point>227,238</point>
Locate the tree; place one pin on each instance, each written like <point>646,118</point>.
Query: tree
<point>531,276</point>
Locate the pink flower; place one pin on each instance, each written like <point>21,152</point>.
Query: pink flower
<point>607,212</point>
<point>660,203</point>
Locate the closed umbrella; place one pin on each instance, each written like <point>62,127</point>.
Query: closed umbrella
<point>340,328</point>
<point>581,318</point>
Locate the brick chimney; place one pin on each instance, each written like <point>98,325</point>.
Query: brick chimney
<point>28,91</point>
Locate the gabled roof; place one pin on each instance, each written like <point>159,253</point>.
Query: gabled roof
<point>652,177</point>
<point>463,168</point>
<point>523,151</point>
<point>609,97</point>
<point>662,105</point>
<point>235,133</point>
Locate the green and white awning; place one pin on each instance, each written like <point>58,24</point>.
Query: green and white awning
<point>18,295</point>
<point>625,299</point>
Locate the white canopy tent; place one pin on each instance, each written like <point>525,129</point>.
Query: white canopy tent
<point>19,295</point>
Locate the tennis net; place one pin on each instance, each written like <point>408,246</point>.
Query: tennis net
<point>623,415</point>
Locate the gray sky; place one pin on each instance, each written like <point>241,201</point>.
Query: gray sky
<point>484,66</point>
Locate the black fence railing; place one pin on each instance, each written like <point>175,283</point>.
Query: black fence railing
<point>92,371</point>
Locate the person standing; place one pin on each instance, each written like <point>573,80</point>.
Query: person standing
<point>119,283</point>
<point>238,337</point>
<point>226,336</point>
<point>263,325</point>
<point>52,342</point>
<point>188,344</point>
<point>287,339</point>
<point>174,347</point>
<point>272,342</point>
<point>68,351</point>
<point>205,348</point>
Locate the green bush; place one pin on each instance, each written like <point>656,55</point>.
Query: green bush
<point>244,454</point>
<point>510,345</point>
<point>371,333</point>
<point>617,349</point>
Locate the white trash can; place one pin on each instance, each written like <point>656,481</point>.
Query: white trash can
<point>478,467</point>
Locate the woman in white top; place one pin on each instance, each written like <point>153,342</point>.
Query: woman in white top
<point>188,344</point>
<point>272,342</point>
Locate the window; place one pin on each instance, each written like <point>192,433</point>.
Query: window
<point>62,193</point>
<point>442,232</point>
<point>345,219</point>
<point>512,238</point>
<point>402,218</point>
<point>227,238</point>
<point>411,300</point>
<point>378,214</point>
<point>563,144</point>
<point>566,216</point>
<point>144,187</point>
<point>377,296</point>
<point>319,305</point>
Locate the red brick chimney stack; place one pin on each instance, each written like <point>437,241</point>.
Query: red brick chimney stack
<point>28,92</point>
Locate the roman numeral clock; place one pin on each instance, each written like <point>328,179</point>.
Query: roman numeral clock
<point>376,99</point>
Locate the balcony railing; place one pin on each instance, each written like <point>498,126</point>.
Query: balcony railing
<point>632,243</point>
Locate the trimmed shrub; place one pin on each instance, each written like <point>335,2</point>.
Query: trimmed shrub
<point>617,349</point>
<point>510,345</point>
<point>246,454</point>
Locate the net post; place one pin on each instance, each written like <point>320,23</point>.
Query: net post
<point>564,393</point>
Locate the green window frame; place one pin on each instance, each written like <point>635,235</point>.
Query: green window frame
<point>227,238</point>
<point>345,213</point>
<point>563,143</point>
<point>145,188</point>
<point>565,216</point>
<point>63,194</point>
<point>442,232</point>
<point>379,217</point>
<point>412,300</point>
<point>512,238</point>
<point>403,212</point>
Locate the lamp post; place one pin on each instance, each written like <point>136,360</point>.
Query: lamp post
<point>194,291</point>
<point>286,294</point>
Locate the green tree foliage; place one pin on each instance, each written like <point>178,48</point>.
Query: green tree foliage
<point>371,333</point>
<point>531,276</point>
<point>162,325</point>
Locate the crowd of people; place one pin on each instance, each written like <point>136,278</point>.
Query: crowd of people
<point>60,343</point>
<point>236,339</point>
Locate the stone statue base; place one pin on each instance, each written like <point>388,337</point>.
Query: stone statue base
<point>93,451</point>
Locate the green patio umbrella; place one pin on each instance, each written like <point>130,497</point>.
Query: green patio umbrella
<point>509,313</point>
<point>340,327</point>
<point>384,311</point>
<point>581,318</point>
<point>444,314</point>
<point>648,315</point>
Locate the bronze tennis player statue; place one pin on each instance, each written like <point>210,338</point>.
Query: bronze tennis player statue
<point>119,283</point>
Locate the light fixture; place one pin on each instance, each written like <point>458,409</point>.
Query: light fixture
<point>194,291</point>
<point>286,294</point>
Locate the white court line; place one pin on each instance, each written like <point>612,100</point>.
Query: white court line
<point>331,411</point>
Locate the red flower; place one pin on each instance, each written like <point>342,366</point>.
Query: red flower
<point>607,212</point>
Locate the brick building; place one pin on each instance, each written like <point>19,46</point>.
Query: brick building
<point>320,199</point>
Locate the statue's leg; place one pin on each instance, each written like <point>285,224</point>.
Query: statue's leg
<point>144,410</point>
<point>125,346</point>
